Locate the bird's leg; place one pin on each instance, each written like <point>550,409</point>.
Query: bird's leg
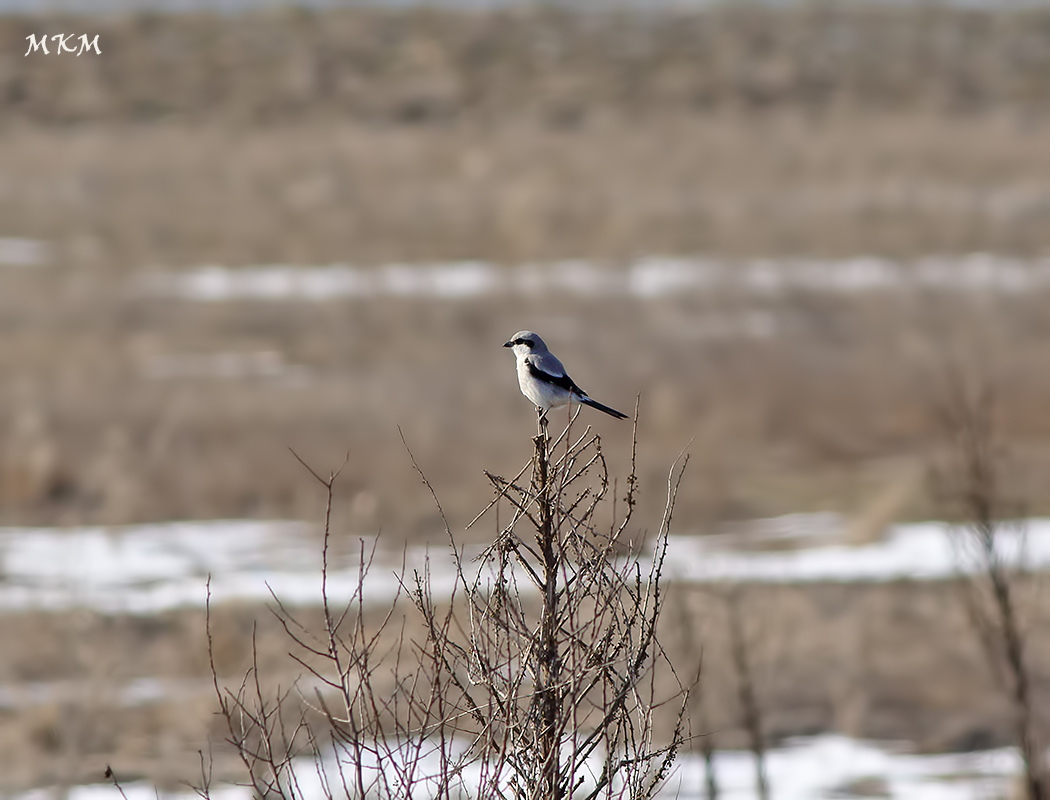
<point>541,424</point>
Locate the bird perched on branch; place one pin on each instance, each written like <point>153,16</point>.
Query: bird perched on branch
<point>543,379</point>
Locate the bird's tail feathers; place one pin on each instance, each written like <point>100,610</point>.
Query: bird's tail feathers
<point>612,412</point>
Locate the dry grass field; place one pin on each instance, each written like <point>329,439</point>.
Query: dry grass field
<point>815,415</point>
<point>425,66</point>
<point>375,138</point>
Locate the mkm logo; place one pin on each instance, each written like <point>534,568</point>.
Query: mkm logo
<point>62,47</point>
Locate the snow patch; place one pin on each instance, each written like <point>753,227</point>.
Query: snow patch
<point>649,277</point>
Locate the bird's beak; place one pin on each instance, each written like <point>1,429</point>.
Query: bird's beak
<point>508,344</point>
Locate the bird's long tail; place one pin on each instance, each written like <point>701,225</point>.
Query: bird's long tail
<point>612,412</point>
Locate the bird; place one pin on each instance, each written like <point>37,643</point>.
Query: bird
<point>542,378</point>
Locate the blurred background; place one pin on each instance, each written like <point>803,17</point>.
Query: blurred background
<point>253,226</point>
<point>363,202</point>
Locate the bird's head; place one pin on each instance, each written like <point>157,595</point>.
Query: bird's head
<point>525,342</point>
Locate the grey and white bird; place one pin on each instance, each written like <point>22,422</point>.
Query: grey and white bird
<point>544,380</point>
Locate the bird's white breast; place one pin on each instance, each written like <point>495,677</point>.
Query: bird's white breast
<point>541,393</point>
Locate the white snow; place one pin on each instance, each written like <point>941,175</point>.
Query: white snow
<point>23,252</point>
<point>124,693</point>
<point>803,769</point>
<point>649,277</point>
<point>914,551</point>
<point>827,766</point>
<point>144,569</point>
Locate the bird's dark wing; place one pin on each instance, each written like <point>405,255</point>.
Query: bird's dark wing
<point>563,380</point>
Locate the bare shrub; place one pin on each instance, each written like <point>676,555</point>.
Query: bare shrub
<point>750,708</point>
<point>991,541</point>
<point>540,676</point>
<point>690,632</point>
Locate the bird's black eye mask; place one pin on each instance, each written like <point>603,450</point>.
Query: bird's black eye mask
<point>527,342</point>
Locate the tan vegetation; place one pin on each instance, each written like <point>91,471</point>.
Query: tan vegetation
<point>427,66</point>
<point>374,136</point>
<point>817,415</point>
<point>179,194</point>
<point>823,415</point>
